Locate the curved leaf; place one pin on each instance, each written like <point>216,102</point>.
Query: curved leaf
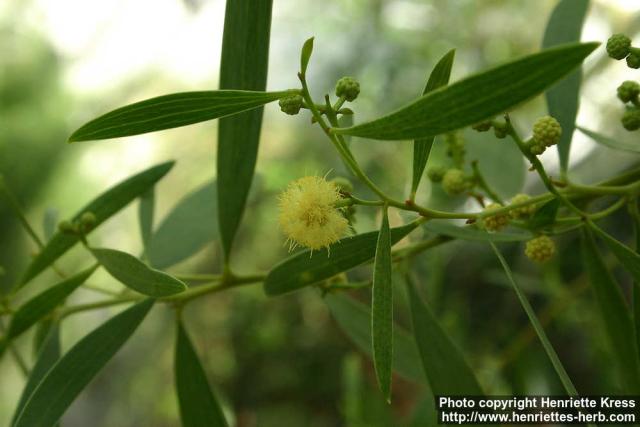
<point>475,98</point>
<point>198,405</point>
<point>135,274</point>
<point>305,268</point>
<point>103,207</point>
<point>193,220</point>
<point>172,111</point>
<point>610,142</point>
<point>243,65</point>
<point>471,232</point>
<point>354,318</point>
<point>71,374</point>
<point>422,147</point>
<point>382,310</point>
<point>629,258</point>
<point>565,26</point>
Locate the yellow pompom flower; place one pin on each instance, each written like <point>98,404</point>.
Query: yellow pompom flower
<point>308,215</point>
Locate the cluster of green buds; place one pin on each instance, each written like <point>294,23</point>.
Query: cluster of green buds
<point>619,47</point>
<point>546,133</point>
<point>500,129</point>
<point>628,93</point>
<point>540,249</point>
<point>291,104</point>
<point>499,221</point>
<point>453,179</point>
<point>348,88</point>
<point>80,226</point>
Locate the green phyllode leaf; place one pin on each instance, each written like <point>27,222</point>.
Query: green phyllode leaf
<point>610,142</point>
<point>193,219</point>
<point>545,215</point>
<point>244,63</point>
<point>71,374</point>
<point>565,26</point>
<point>615,315</point>
<point>198,405</point>
<point>476,98</point>
<point>172,111</point>
<point>447,371</point>
<point>135,274</point>
<point>382,310</point>
<point>304,268</point>
<point>305,55</point>
<point>103,207</point>
<point>354,318</point>
<point>422,147</point>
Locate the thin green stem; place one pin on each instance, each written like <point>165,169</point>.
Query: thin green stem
<point>483,183</point>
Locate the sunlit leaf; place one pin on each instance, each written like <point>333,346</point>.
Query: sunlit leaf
<point>71,374</point>
<point>616,144</point>
<point>243,65</point>
<point>186,229</point>
<point>103,207</point>
<point>615,315</point>
<point>475,98</point>
<point>172,111</point>
<point>135,274</point>
<point>565,26</point>
<point>305,268</point>
<point>354,318</point>
<point>198,405</point>
<point>447,371</point>
<point>382,310</point>
<point>422,147</point>
<point>471,232</point>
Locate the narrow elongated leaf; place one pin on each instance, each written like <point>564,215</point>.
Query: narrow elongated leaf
<point>304,268</point>
<point>135,274</point>
<point>198,405</point>
<point>245,58</point>
<point>172,111</point>
<point>382,310</point>
<point>71,374</point>
<point>632,147</point>
<point>422,147</point>
<point>447,371</point>
<point>615,316</point>
<point>545,215</point>
<point>535,323</point>
<point>629,259</point>
<point>103,207</point>
<point>565,26</point>
<point>354,318</point>
<point>471,232</point>
<point>475,98</point>
<point>146,210</point>
<point>44,303</point>
<point>193,219</point>
<point>47,356</point>
<point>305,54</point>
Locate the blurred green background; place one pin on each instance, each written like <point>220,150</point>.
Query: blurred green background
<point>284,361</point>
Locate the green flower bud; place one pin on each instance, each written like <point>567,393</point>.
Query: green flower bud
<point>343,184</point>
<point>618,46</point>
<point>455,148</point>
<point>436,173</point>
<point>524,211</point>
<point>66,227</point>
<point>535,148</point>
<point>291,104</point>
<point>348,87</point>
<point>500,130</point>
<point>495,222</point>
<point>547,131</point>
<point>540,249</point>
<point>631,119</point>
<point>628,91</point>
<point>482,126</point>
<point>633,60</point>
<point>87,221</point>
<point>454,181</point>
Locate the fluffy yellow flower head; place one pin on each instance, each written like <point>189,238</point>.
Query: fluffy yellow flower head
<point>308,215</point>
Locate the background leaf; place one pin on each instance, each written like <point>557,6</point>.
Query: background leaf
<point>135,274</point>
<point>172,111</point>
<point>244,62</point>
<point>197,403</point>
<point>629,259</point>
<point>475,98</point>
<point>354,318</point>
<point>422,147</point>
<point>382,309</point>
<point>103,207</point>
<point>471,232</point>
<point>193,220</point>
<point>447,371</point>
<point>615,315</point>
<point>545,215</point>
<point>70,375</point>
<point>146,210</point>
<point>610,142</point>
<point>303,269</point>
<point>565,26</point>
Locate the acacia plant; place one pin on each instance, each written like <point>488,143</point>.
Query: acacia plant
<point>317,214</point>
